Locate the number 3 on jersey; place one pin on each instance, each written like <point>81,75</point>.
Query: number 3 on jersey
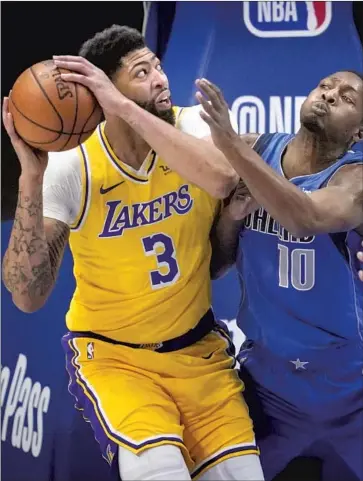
<point>162,246</point>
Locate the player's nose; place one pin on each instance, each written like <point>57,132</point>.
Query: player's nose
<point>160,80</point>
<point>330,96</point>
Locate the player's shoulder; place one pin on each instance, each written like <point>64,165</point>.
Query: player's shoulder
<point>64,161</point>
<point>188,114</point>
<point>274,140</point>
<point>62,165</point>
<point>250,139</point>
<point>188,120</point>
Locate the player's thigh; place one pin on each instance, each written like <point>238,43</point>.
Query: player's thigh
<point>223,431</point>
<point>214,413</point>
<point>157,463</point>
<point>246,468</point>
<point>122,402</point>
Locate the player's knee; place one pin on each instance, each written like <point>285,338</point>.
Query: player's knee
<point>247,467</point>
<point>159,463</point>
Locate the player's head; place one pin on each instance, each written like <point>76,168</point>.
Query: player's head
<point>122,54</point>
<point>334,109</point>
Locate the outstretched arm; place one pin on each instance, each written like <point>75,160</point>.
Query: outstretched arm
<point>336,208</point>
<point>198,161</point>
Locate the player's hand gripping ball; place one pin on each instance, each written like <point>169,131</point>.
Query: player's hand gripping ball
<point>49,113</point>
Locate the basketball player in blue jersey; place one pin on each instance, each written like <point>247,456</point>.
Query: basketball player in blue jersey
<point>148,365</point>
<point>302,300</point>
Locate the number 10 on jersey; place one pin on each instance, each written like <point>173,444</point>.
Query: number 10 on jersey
<point>296,268</point>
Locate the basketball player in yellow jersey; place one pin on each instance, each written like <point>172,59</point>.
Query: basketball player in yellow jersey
<point>148,365</point>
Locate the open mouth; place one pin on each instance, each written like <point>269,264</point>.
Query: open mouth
<point>163,100</point>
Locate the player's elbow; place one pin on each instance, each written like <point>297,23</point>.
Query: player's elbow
<point>28,306</point>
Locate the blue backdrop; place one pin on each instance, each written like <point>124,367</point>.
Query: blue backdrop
<point>266,56</point>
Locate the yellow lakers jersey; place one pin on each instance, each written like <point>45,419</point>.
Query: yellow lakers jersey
<point>141,248</point>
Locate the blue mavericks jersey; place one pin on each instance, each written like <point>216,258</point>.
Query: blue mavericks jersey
<point>300,295</point>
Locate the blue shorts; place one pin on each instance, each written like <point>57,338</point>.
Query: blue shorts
<point>316,411</point>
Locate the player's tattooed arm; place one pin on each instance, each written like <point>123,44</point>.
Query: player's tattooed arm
<point>35,250</point>
<point>225,232</point>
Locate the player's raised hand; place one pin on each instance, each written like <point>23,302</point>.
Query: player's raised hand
<point>360,258</point>
<point>33,161</point>
<point>84,72</point>
<point>216,113</point>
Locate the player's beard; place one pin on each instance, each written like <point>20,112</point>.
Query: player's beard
<point>166,115</point>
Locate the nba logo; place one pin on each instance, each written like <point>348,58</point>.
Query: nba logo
<point>90,350</point>
<point>287,19</point>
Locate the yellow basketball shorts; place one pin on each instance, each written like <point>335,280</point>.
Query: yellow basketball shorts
<point>138,398</point>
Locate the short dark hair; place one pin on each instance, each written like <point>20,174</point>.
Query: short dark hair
<point>107,48</point>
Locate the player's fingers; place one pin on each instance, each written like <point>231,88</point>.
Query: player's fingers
<point>212,123</point>
<point>69,58</point>
<point>217,90</point>
<point>18,144</point>
<point>209,93</point>
<point>207,106</point>
<point>5,109</point>
<point>73,66</point>
<point>360,256</point>
<point>8,121</point>
<point>360,274</point>
<point>78,78</point>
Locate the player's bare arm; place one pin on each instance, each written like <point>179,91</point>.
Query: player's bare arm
<point>228,224</point>
<point>226,229</point>
<point>336,208</point>
<point>36,244</point>
<point>198,161</point>
<point>33,258</point>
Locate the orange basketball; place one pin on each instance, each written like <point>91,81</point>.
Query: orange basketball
<point>51,114</point>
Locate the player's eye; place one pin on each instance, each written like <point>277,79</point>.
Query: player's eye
<point>324,86</point>
<point>347,99</point>
<point>141,73</point>
<point>159,67</point>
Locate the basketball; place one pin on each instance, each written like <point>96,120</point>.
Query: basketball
<point>49,113</point>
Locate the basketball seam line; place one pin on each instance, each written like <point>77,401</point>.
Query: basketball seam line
<point>75,117</point>
<point>89,117</point>
<point>48,128</point>
<point>47,96</point>
<point>38,125</point>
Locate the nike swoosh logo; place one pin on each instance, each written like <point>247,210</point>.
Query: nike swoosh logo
<point>210,355</point>
<point>108,189</point>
